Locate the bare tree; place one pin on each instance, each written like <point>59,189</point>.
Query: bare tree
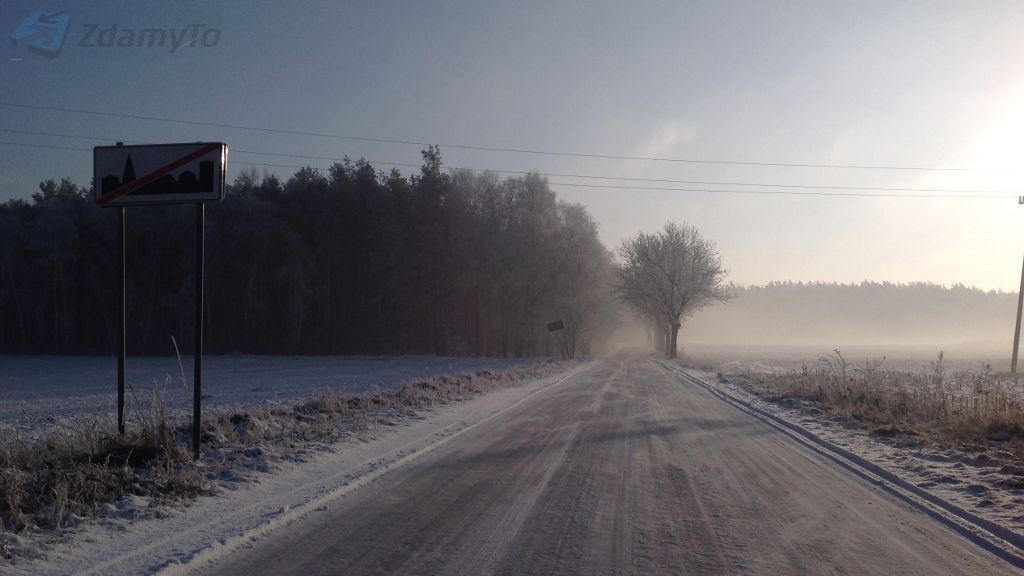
<point>668,275</point>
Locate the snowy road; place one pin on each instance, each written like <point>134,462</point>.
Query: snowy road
<point>622,469</point>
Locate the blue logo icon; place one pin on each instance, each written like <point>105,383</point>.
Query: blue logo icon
<point>43,31</point>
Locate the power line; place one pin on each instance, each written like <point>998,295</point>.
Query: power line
<point>27,145</point>
<point>494,148</point>
<point>73,149</point>
<point>661,180</point>
<point>569,175</point>
<point>786,192</point>
<point>73,136</point>
<point>952,194</point>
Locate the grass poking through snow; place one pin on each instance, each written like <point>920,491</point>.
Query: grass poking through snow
<point>976,407</point>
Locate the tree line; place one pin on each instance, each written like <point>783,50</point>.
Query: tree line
<point>350,260</point>
<point>353,260</point>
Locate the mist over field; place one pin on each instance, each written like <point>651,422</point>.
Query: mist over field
<point>875,314</point>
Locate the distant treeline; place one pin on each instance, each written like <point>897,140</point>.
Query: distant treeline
<point>349,261</point>
<point>866,313</point>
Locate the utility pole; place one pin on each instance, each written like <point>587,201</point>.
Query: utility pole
<point>1016,332</point>
<point>1020,304</point>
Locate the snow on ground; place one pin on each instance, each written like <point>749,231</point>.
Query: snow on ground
<point>134,538</point>
<point>36,389</point>
<point>989,483</point>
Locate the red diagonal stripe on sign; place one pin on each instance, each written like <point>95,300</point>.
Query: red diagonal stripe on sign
<point>140,182</point>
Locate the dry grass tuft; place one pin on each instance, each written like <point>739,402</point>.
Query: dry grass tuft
<point>83,463</point>
<point>963,406</point>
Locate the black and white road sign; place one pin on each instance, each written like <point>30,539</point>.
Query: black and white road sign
<point>159,173</point>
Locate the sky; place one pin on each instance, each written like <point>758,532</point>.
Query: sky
<point>899,84</point>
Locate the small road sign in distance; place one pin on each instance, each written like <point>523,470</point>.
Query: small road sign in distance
<point>159,173</point>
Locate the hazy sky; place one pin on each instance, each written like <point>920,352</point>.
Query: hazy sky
<point>927,84</point>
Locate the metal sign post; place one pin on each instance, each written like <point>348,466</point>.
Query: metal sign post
<point>162,174</point>
<point>197,392</point>
<point>556,328</point>
<point>121,321</point>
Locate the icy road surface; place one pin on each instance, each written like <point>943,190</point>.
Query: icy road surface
<point>621,469</point>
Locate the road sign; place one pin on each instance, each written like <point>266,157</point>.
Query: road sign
<point>556,325</point>
<point>159,173</point>
<point>162,174</point>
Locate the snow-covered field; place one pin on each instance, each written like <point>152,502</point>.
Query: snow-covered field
<point>765,358</point>
<point>36,389</point>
